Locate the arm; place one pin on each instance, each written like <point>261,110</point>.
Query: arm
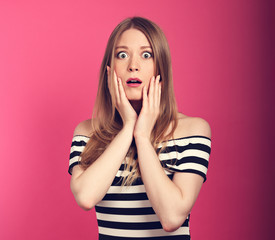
<point>171,200</point>
<point>91,185</point>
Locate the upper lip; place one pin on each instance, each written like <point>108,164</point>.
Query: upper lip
<point>134,79</point>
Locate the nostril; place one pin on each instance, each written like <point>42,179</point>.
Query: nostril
<point>133,69</point>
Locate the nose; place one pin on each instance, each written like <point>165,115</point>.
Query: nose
<point>133,65</point>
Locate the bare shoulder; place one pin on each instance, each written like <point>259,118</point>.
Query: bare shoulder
<point>84,128</point>
<point>192,126</point>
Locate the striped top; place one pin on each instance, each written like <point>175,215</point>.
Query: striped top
<point>126,212</point>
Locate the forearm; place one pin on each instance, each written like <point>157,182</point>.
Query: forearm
<point>91,185</point>
<point>165,197</point>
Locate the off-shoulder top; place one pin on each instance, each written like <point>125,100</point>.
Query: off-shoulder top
<point>126,212</point>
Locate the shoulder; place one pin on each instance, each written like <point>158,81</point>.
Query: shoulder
<point>84,128</point>
<point>192,126</point>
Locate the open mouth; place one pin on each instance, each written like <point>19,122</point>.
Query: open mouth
<point>133,82</point>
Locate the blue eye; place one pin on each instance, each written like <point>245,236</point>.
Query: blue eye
<point>146,55</point>
<point>122,55</point>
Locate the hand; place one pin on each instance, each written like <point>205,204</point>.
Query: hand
<point>122,104</point>
<point>150,109</point>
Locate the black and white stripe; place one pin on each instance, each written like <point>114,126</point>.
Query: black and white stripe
<point>126,212</point>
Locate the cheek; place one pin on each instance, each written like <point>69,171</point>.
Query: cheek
<point>150,68</point>
<point>119,68</point>
<point>116,68</point>
<point>150,71</point>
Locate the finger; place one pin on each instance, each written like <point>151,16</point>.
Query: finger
<point>115,82</point>
<point>144,97</point>
<point>121,90</point>
<point>157,91</point>
<point>151,91</point>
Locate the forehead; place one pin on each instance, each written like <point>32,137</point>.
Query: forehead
<point>132,38</point>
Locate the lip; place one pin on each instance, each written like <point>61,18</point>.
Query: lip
<point>133,84</point>
<point>134,79</point>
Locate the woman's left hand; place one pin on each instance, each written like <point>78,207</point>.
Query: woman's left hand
<point>150,109</point>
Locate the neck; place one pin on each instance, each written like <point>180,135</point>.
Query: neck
<point>137,105</point>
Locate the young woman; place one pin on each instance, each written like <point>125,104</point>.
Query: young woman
<point>139,161</point>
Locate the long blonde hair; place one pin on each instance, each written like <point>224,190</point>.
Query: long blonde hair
<point>106,121</point>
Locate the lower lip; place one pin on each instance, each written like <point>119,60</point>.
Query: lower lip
<point>133,84</point>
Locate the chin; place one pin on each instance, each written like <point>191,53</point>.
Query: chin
<point>134,96</point>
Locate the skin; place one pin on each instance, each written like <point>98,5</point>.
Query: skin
<point>139,109</point>
<point>134,59</point>
<point>134,46</point>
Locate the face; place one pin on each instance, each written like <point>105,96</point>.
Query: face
<point>134,62</point>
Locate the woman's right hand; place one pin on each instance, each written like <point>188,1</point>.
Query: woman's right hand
<point>123,106</point>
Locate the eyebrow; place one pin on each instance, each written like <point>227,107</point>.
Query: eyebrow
<point>125,47</point>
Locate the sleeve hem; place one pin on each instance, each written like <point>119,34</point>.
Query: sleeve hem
<point>71,167</point>
<point>193,171</point>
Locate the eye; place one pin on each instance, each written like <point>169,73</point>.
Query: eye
<point>122,55</point>
<point>146,55</point>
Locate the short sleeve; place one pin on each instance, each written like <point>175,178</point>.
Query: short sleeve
<point>78,144</point>
<point>189,154</point>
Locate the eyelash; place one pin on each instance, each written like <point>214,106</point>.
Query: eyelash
<point>117,55</point>
<point>151,55</point>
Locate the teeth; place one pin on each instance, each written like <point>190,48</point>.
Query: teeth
<point>133,81</point>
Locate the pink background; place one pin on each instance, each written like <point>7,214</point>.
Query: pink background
<point>50,53</point>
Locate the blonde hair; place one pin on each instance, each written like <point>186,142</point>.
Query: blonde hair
<point>106,121</point>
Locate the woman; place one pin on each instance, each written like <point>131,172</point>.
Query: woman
<point>138,161</point>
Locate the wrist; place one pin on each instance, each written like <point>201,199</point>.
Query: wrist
<point>142,139</point>
<point>129,126</point>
